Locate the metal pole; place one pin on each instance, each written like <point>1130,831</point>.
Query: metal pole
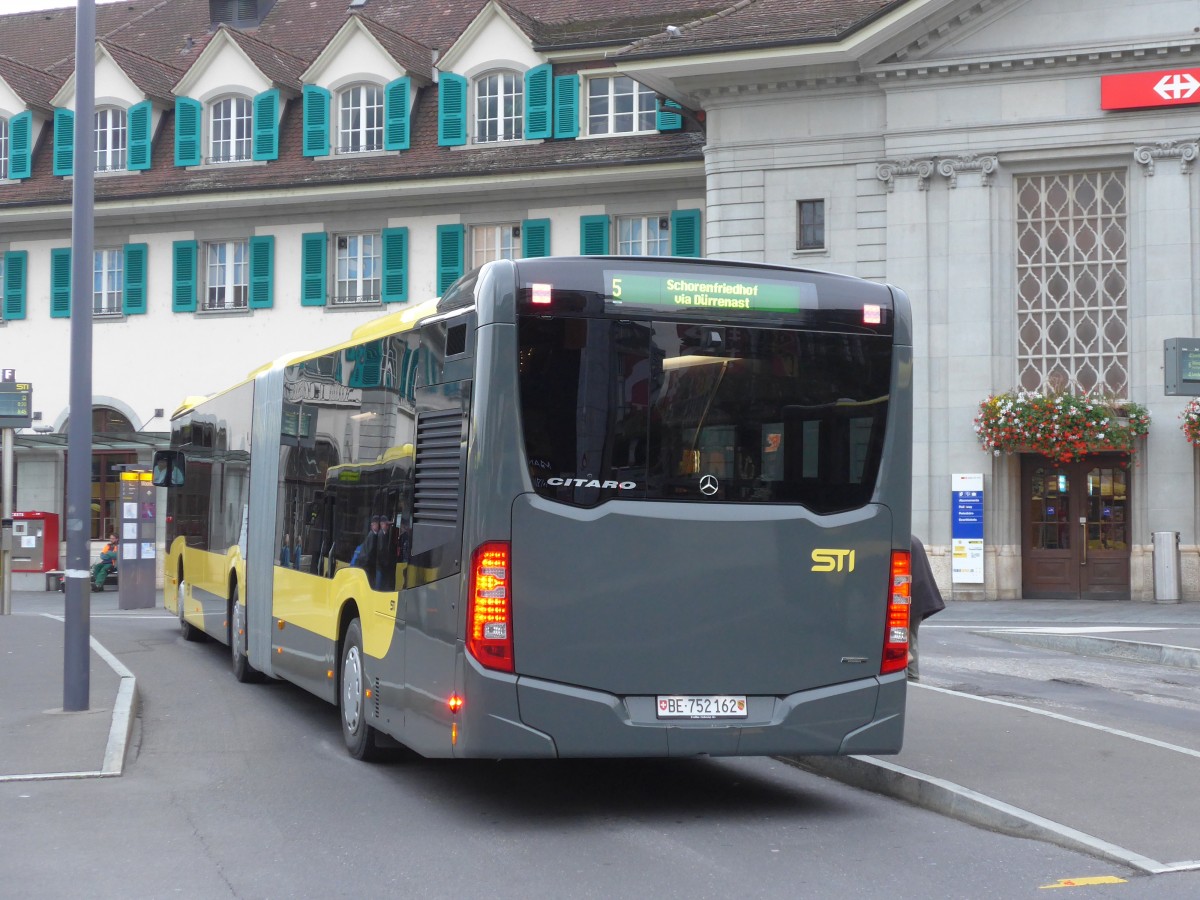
<point>6,514</point>
<point>77,633</point>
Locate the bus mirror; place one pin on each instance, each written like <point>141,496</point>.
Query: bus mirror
<point>169,468</point>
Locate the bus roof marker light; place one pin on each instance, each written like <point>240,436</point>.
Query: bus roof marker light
<point>540,294</point>
<point>872,314</point>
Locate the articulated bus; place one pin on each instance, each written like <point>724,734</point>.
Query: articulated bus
<point>577,507</point>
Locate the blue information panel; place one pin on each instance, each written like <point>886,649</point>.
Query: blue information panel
<point>966,529</point>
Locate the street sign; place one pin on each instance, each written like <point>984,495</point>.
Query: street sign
<point>966,529</point>
<point>1142,90</point>
<point>16,404</point>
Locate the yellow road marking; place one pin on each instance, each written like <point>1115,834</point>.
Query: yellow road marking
<point>1082,882</point>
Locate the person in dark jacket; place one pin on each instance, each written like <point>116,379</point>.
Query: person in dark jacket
<point>926,600</point>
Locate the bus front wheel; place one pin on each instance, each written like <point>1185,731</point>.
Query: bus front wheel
<point>352,700</point>
<point>189,631</point>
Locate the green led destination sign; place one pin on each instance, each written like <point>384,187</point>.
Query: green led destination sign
<point>16,404</point>
<point>684,291</point>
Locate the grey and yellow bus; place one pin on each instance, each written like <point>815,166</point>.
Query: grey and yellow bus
<point>598,506</point>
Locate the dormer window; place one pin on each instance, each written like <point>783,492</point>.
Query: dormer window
<point>620,105</point>
<point>231,130</point>
<point>499,107</point>
<point>360,119</point>
<point>110,137</point>
<point>3,148</point>
<point>238,13</point>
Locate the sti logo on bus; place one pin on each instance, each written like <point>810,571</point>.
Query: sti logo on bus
<point>832,560</point>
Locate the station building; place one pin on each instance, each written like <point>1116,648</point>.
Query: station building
<point>272,174</point>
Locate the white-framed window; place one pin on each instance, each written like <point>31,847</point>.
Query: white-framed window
<point>356,257</point>
<point>231,130</point>
<point>810,224</point>
<point>499,107</point>
<point>644,235</point>
<point>491,242</point>
<point>3,147</point>
<point>227,275</point>
<point>110,139</point>
<point>108,281</point>
<point>360,119</point>
<point>619,105</point>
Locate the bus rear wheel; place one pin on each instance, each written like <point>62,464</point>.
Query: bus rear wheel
<point>352,698</point>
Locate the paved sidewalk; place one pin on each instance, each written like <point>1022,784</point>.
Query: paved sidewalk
<point>38,740</point>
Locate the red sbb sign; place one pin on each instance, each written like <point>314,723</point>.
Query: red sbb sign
<point>1142,90</point>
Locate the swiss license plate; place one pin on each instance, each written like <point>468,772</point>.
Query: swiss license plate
<point>701,706</point>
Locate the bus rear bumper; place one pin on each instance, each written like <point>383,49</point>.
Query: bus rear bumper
<point>861,716</point>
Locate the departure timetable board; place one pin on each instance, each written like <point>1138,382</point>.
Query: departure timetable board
<point>16,404</point>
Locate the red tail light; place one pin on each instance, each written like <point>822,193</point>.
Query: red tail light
<point>895,638</point>
<point>489,608</point>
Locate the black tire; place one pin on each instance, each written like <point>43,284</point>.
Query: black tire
<point>189,631</point>
<point>352,698</point>
<point>240,662</point>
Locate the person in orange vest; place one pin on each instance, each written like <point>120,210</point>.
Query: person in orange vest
<point>107,563</point>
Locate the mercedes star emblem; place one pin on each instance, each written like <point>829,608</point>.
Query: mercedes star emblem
<point>708,485</point>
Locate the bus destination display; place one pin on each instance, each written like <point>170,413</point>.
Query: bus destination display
<point>16,404</point>
<point>685,291</point>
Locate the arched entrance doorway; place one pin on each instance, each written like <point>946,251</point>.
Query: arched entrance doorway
<point>1075,526</point>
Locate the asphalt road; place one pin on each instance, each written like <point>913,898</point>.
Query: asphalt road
<point>245,791</point>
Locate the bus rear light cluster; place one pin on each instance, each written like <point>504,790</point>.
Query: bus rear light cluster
<point>489,608</point>
<point>895,639</point>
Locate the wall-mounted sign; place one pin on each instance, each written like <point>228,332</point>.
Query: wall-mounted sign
<point>966,529</point>
<point>1139,90</point>
<point>16,404</point>
<point>1181,367</point>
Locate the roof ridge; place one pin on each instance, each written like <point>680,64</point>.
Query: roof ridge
<point>704,20</point>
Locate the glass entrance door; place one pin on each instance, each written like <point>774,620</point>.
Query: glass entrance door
<point>1075,528</point>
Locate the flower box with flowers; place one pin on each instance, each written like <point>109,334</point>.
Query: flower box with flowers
<point>1062,427</point>
<point>1190,426</point>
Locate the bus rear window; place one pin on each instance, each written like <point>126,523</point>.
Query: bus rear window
<point>688,411</point>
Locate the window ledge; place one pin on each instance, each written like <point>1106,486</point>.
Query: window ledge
<point>218,313</point>
<point>815,251</point>
<point>614,134</point>
<point>232,164</point>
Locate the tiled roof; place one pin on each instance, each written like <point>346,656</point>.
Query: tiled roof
<point>752,24</point>
<point>153,78</point>
<point>415,58</point>
<point>280,67</point>
<point>30,84</point>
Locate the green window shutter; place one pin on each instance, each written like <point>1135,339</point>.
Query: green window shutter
<point>187,131</point>
<point>395,265</point>
<point>64,142</point>
<point>566,106</point>
<point>666,119</point>
<point>140,117</point>
<point>450,240</point>
<point>452,110</point>
<point>316,121</point>
<point>262,271</point>
<point>312,268</point>
<point>396,97</point>
<point>134,294</point>
<point>20,145</point>
<point>685,232</point>
<point>538,109</point>
<point>16,269</point>
<point>593,235</point>
<point>535,238</point>
<point>266,126</point>
<point>183,259</point>
<point>60,283</point>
